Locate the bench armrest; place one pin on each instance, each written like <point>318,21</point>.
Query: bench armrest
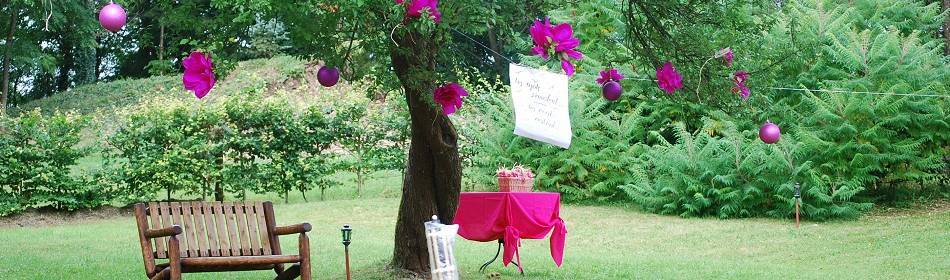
<point>163,232</point>
<point>298,228</point>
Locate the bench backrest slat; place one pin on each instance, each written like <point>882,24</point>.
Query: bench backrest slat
<point>156,221</point>
<point>242,228</point>
<point>231,224</point>
<point>211,229</point>
<point>262,228</point>
<point>252,232</point>
<point>200,233</point>
<point>188,217</point>
<point>224,243</point>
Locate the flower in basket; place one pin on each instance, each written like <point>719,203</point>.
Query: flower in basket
<point>517,179</point>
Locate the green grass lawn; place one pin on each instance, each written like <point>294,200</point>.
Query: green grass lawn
<point>603,243</point>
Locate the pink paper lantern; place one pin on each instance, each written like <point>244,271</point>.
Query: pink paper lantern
<point>770,133</point>
<point>112,17</point>
<point>612,90</point>
<point>328,76</point>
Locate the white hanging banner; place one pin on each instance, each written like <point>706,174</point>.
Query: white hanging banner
<point>540,102</point>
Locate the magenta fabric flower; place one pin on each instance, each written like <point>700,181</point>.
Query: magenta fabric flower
<point>450,97</point>
<point>564,41</point>
<point>668,79</point>
<point>199,75</point>
<point>541,35</point>
<point>739,78</point>
<point>415,8</point>
<point>726,55</point>
<point>609,75</point>
<point>557,39</point>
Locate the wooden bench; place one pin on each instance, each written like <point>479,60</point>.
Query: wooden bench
<point>217,236</point>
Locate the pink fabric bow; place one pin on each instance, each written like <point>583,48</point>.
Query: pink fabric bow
<point>512,241</point>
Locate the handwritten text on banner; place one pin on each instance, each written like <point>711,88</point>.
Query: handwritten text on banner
<point>540,102</point>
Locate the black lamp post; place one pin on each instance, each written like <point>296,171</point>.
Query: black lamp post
<point>347,233</point>
<point>798,199</point>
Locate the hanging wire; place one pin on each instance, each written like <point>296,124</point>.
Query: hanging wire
<point>483,46</point>
<point>858,92</point>
<point>631,77</point>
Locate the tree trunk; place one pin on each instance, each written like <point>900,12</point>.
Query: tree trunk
<point>85,53</point>
<point>14,14</point>
<point>433,177</point>
<point>359,182</point>
<point>500,65</point>
<point>100,55</point>
<point>161,42</point>
<point>946,28</point>
<point>218,188</point>
<point>66,49</point>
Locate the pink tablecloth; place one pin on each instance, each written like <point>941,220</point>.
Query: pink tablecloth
<point>512,216</point>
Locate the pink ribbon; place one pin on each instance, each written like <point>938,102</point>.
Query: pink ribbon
<point>557,241</point>
<point>512,240</point>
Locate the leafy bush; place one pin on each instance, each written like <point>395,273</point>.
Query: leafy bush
<point>249,142</point>
<point>675,156</point>
<point>884,148</point>
<point>374,135</point>
<point>36,154</point>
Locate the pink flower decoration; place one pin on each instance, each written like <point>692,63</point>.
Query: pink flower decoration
<point>739,78</point>
<point>199,75</point>
<point>727,56</point>
<point>450,97</point>
<point>609,75</point>
<point>668,79</point>
<point>415,8</point>
<point>558,39</point>
<point>541,34</point>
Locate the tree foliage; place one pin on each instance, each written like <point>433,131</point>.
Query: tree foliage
<point>37,155</point>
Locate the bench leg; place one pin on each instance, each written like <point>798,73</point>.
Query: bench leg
<point>304,257</point>
<point>162,275</point>
<point>289,273</point>
<point>174,259</point>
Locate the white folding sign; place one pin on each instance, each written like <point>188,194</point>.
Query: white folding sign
<point>540,102</point>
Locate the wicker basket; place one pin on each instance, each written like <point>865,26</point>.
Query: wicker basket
<point>515,184</point>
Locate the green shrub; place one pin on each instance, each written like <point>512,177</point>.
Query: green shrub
<point>250,143</point>
<point>36,154</point>
<point>374,135</point>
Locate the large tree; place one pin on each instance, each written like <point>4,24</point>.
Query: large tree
<point>434,173</point>
<point>359,36</point>
<point>14,16</point>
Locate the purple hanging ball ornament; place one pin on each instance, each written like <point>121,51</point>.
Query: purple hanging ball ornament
<point>612,90</point>
<point>770,133</point>
<point>112,17</point>
<point>328,76</point>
